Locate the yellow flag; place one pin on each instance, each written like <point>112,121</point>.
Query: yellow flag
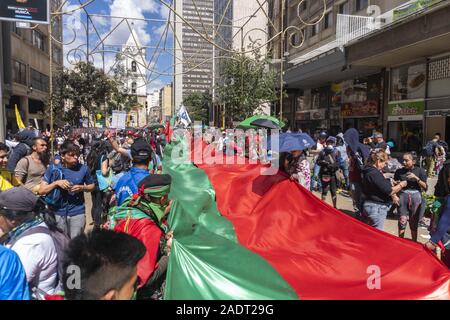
<point>19,119</point>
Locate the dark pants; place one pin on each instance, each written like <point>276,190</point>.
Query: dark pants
<point>97,207</point>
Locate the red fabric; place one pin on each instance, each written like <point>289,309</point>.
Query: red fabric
<point>321,252</point>
<point>168,132</point>
<point>150,235</point>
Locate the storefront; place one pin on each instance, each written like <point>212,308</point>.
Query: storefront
<point>312,121</point>
<point>405,125</point>
<point>363,116</point>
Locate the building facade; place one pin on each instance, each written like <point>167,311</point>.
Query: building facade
<point>165,102</point>
<point>153,106</point>
<point>366,65</point>
<point>25,57</point>
<point>193,57</point>
<point>134,64</point>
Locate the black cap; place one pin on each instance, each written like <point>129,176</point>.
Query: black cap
<point>155,180</point>
<point>141,149</point>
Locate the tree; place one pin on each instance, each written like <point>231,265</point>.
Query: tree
<point>86,87</point>
<point>246,84</point>
<point>198,104</point>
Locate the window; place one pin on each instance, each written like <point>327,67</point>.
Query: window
<point>328,23</point>
<point>361,4</point>
<point>315,29</point>
<point>133,88</point>
<point>344,8</point>
<point>57,55</point>
<point>133,66</point>
<point>20,73</point>
<point>408,82</point>
<point>38,40</point>
<point>39,81</point>
<point>15,29</point>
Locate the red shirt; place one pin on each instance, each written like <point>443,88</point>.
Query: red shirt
<point>150,234</point>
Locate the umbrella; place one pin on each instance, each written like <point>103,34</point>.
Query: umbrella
<point>154,126</point>
<point>295,141</point>
<point>261,121</point>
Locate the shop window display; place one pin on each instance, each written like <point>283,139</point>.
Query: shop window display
<point>408,82</point>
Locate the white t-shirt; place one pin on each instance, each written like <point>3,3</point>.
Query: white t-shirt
<point>319,148</point>
<point>38,255</point>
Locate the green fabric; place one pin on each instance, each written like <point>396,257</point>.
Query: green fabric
<point>206,260</point>
<point>158,192</point>
<point>246,124</point>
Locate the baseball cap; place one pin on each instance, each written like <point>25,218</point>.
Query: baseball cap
<point>141,149</point>
<point>377,135</point>
<point>323,134</point>
<point>18,199</point>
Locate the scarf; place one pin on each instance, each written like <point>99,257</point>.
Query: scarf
<point>18,231</point>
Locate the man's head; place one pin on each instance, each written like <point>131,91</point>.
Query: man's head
<point>39,146</point>
<point>156,188</point>
<point>107,262</point>
<point>17,205</point>
<point>437,137</point>
<point>323,137</point>
<point>141,152</point>
<point>69,153</point>
<point>378,137</point>
<point>3,155</point>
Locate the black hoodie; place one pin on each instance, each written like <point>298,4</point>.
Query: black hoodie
<point>375,186</point>
<point>21,150</point>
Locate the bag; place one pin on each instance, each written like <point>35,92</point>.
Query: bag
<point>61,242</point>
<point>428,151</point>
<point>54,197</point>
<point>120,163</point>
<point>326,178</point>
<point>103,182</point>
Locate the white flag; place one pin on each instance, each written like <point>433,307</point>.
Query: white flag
<point>184,116</point>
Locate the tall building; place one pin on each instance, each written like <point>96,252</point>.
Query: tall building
<point>25,65</point>
<point>193,58</point>
<point>371,65</point>
<point>165,102</point>
<point>154,108</point>
<point>134,64</point>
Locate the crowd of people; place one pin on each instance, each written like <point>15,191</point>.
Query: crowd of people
<point>125,256</point>
<point>379,184</point>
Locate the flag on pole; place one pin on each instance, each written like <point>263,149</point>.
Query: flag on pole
<point>19,119</point>
<point>184,116</point>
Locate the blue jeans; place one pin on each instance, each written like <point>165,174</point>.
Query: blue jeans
<point>345,171</point>
<point>315,181</point>
<point>375,214</point>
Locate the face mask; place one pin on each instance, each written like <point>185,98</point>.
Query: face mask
<point>330,148</point>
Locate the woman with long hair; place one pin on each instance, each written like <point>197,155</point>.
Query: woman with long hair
<point>379,192</point>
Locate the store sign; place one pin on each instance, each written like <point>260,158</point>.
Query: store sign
<point>319,114</point>
<point>408,108</point>
<point>413,7</point>
<point>302,116</point>
<point>360,109</point>
<point>335,113</point>
<point>36,11</point>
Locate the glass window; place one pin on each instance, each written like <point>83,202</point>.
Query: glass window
<point>328,23</point>
<point>408,82</point>
<point>39,81</point>
<point>133,88</point>
<point>133,66</point>
<point>20,73</point>
<point>407,135</point>
<point>344,8</point>
<point>361,4</point>
<point>38,40</point>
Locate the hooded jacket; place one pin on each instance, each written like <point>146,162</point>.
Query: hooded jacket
<point>22,149</point>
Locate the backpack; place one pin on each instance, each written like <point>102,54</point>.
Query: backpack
<point>428,151</point>
<point>54,197</point>
<point>120,163</point>
<point>61,242</point>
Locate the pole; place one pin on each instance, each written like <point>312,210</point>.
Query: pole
<point>282,59</point>
<point>50,49</point>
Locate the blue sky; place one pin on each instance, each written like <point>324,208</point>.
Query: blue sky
<point>148,32</point>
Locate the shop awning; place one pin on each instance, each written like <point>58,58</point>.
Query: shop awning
<point>327,68</point>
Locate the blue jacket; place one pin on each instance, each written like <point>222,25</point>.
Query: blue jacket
<point>128,184</point>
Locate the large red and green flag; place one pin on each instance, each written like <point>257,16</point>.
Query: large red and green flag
<point>241,235</point>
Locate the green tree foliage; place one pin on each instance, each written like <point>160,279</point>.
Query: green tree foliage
<point>198,104</point>
<point>246,83</point>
